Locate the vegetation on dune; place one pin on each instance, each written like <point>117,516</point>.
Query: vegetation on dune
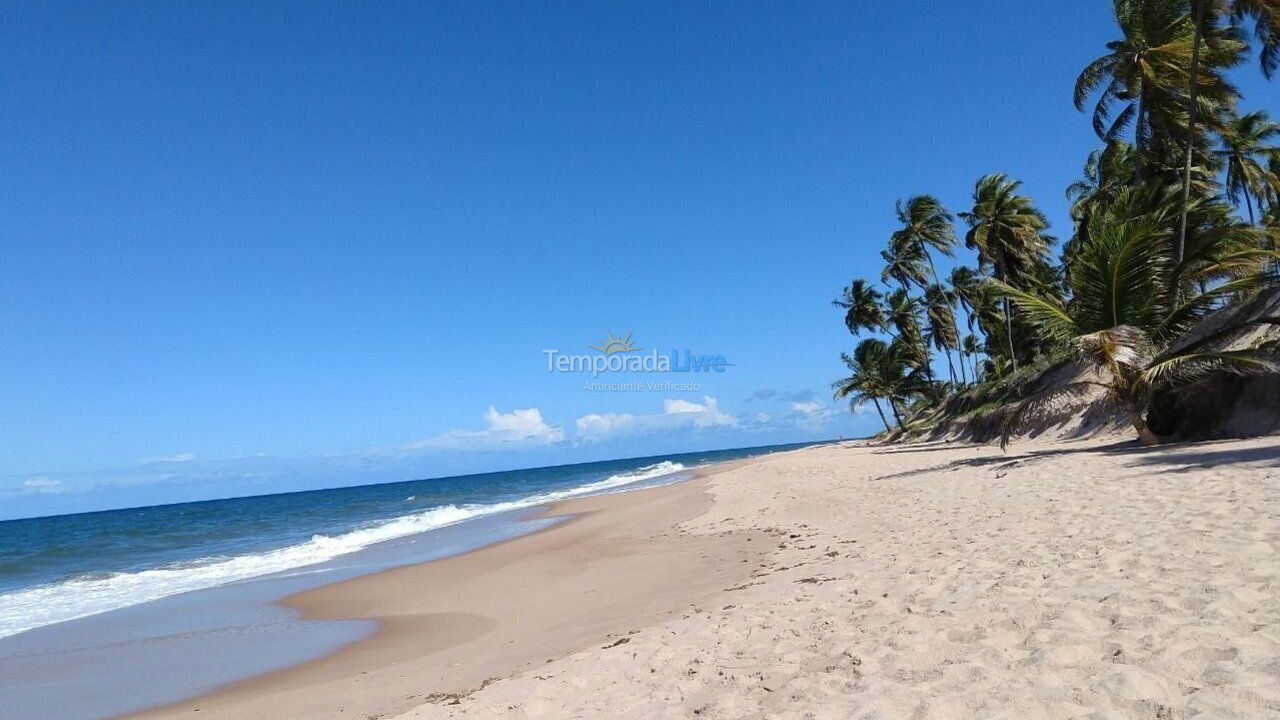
<point>1175,216</point>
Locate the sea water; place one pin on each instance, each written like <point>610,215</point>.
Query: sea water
<point>91,601</point>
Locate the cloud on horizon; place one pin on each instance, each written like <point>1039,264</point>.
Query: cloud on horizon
<point>43,485</point>
<point>175,458</point>
<point>677,414</point>
<point>522,426</point>
<point>521,437</point>
<point>799,396</point>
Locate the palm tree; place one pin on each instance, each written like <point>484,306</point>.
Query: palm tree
<point>1106,171</point>
<point>1147,70</point>
<point>970,349</point>
<point>1009,234</point>
<point>902,312</point>
<point>1266,28</point>
<point>861,302</point>
<point>1124,320</point>
<point>1247,156</point>
<point>1219,247</point>
<point>904,262</point>
<point>925,224</point>
<point>939,311</point>
<point>1266,17</point>
<point>966,285</point>
<point>877,370</point>
<point>865,380</point>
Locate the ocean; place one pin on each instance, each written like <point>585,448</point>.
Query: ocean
<point>91,589</point>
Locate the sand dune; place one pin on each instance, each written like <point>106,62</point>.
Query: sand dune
<point>1090,580</point>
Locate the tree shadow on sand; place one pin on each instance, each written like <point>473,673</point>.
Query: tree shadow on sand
<point>1180,457</point>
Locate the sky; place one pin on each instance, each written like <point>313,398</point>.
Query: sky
<point>260,247</point>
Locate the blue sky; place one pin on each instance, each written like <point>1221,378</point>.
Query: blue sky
<point>254,247</point>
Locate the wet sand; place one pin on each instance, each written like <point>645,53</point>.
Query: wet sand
<point>615,564</point>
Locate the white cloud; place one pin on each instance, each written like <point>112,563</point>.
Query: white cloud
<point>521,426</point>
<point>524,424</point>
<point>595,424</point>
<point>676,413</point>
<point>704,415</point>
<point>176,458</point>
<point>810,415</point>
<point>43,485</point>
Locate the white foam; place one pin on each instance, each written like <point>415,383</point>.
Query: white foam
<point>80,597</point>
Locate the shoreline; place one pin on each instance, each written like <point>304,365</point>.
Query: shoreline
<point>1059,580</point>
<point>415,607</point>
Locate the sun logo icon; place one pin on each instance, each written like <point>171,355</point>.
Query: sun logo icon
<point>613,345</point>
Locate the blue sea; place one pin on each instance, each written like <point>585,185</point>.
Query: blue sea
<point>90,590</point>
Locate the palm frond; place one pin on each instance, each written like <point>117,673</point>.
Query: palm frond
<point>1183,316</point>
<point>1189,367</point>
<point>1050,316</point>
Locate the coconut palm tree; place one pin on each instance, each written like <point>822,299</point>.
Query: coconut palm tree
<point>1266,17</point>
<point>1266,28</point>
<point>1147,71</point>
<point>966,285</point>
<point>1009,234</point>
<point>939,304</point>
<point>925,224</point>
<point>877,370</point>
<point>1106,171</point>
<point>1124,321</point>
<point>1219,247</point>
<point>861,301</point>
<point>1248,155</point>
<point>971,349</point>
<point>904,262</point>
<point>902,313</point>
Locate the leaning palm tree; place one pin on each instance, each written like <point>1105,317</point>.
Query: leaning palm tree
<point>925,224</point>
<point>966,285</point>
<point>1009,234</point>
<point>970,349</point>
<point>902,313</point>
<point>872,368</point>
<point>1106,171</point>
<point>904,262</point>
<point>940,315</point>
<point>861,302</point>
<point>1126,324</point>
<point>1247,154</point>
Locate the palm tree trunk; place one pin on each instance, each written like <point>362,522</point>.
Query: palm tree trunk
<point>1249,204</point>
<point>1140,424</point>
<point>1008,329</point>
<point>964,380</point>
<point>928,256</point>
<point>1138,144</point>
<point>893,405</point>
<point>1191,132</point>
<point>950,368</point>
<point>880,410</point>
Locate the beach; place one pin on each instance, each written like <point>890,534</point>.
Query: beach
<point>1085,579</point>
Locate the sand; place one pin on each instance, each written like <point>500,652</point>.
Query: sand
<point>1084,580</point>
<point>615,564</point>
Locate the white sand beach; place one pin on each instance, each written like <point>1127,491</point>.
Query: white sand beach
<point>1092,579</point>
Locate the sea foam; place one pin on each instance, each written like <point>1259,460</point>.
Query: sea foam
<point>90,595</point>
